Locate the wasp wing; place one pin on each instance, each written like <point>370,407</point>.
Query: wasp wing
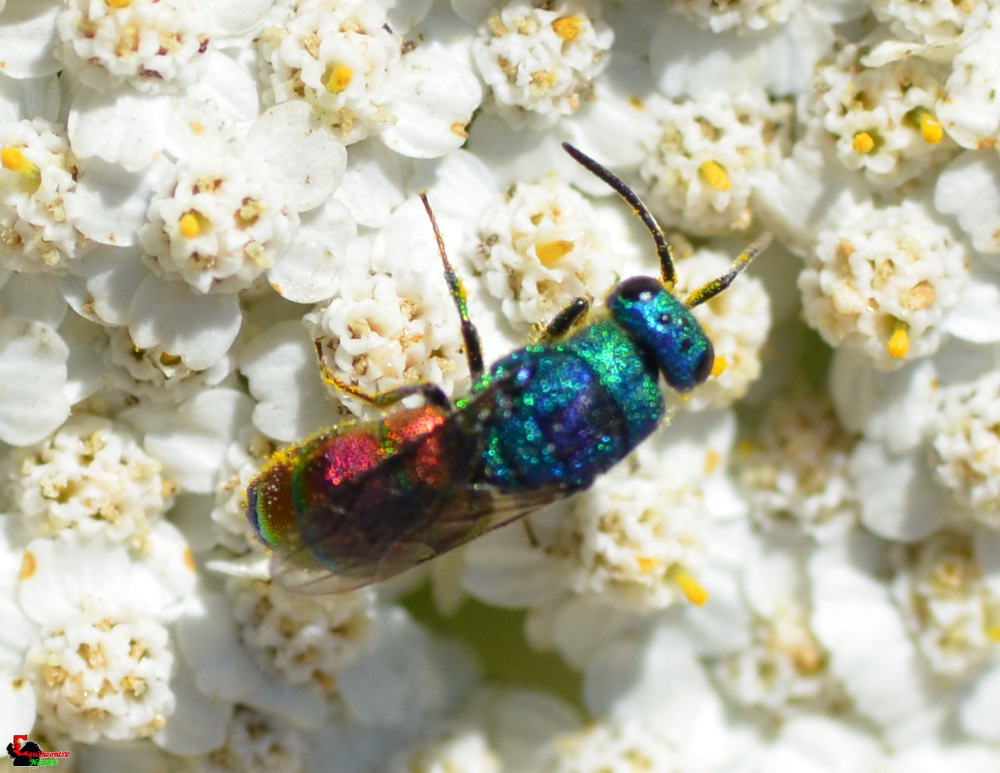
<point>461,514</point>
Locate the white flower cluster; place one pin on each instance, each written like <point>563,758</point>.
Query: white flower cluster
<point>967,446</point>
<point>882,120</point>
<point>38,183</point>
<point>742,16</point>
<point>218,226</point>
<point>883,281</point>
<point>148,44</point>
<point>538,249</point>
<point>703,156</point>
<point>91,477</point>
<point>539,59</point>
<point>383,331</point>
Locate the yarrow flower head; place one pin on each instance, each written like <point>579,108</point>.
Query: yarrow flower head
<point>742,16</point>
<point>152,45</point>
<point>881,120</point>
<point>307,639</point>
<point>260,742</point>
<point>951,610</point>
<point>703,155</point>
<point>458,751</point>
<point>218,226</point>
<point>800,469</point>
<point>882,280</point>
<point>91,476</point>
<point>539,248</point>
<point>361,79</point>
<point>636,538</point>
<point>966,446</point>
<point>539,59</point>
<point>928,22</point>
<point>102,661</point>
<point>38,186</point>
<point>385,330</point>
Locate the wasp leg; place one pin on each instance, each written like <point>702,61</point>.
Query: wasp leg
<point>564,321</point>
<point>470,336</point>
<point>431,393</point>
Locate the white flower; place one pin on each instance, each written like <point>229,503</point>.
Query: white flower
<point>91,476</point>
<point>395,325</point>
<point>540,59</point>
<point>259,742</point>
<point>306,639</point>
<point>882,281</point>
<point>950,608</point>
<point>362,79</point>
<point>881,120</point>
<point>38,208</point>
<point>539,246</point>
<point>966,446</point>
<point>741,16</point>
<point>102,662</point>
<point>934,21</point>
<point>703,156</point>
<point>458,751</point>
<point>149,44</point>
<point>799,467</point>
<point>218,225</point>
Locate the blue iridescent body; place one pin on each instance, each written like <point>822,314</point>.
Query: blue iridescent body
<point>363,501</point>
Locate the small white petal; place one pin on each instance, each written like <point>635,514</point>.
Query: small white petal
<point>28,37</point>
<point>197,328</point>
<point>32,375</point>
<point>121,127</point>
<point>301,158</point>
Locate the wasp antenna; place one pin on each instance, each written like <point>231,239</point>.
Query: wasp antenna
<point>473,347</point>
<point>667,272</point>
<point>708,291</point>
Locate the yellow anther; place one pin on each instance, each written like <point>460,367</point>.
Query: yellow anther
<point>719,366</point>
<point>340,79</point>
<point>551,252</point>
<point>691,589</point>
<point>647,565</point>
<point>169,360</point>
<point>14,160</point>
<point>899,343</point>
<point>190,225</point>
<point>118,3</point>
<point>930,128</point>
<point>863,143</point>
<point>715,176</point>
<point>993,632</point>
<point>568,27</point>
<point>28,566</point>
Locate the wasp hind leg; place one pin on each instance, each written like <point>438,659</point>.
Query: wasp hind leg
<point>432,393</point>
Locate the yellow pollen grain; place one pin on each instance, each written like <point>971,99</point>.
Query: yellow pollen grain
<point>863,143</point>
<point>691,589</point>
<point>931,129</point>
<point>719,366</point>
<point>190,225</point>
<point>993,632</point>
<point>568,27</point>
<point>13,159</point>
<point>28,566</point>
<point>712,459</point>
<point>715,176</point>
<point>647,565</point>
<point>551,252</point>
<point>340,79</point>
<point>899,344</point>
<point>118,3</point>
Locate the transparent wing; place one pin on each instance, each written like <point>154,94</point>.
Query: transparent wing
<point>460,515</point>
